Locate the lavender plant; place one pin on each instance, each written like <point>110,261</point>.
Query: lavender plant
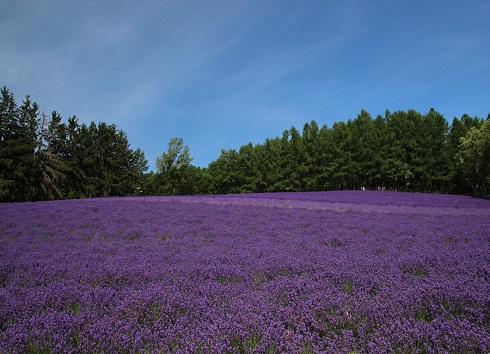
<point>326,272</point>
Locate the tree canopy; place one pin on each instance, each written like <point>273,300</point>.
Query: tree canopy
<point>403,150</point>
<point>42,157</point>
<point>474,157</point>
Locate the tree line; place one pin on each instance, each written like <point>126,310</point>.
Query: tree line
<point>403,150</point>
<point>42,157</point>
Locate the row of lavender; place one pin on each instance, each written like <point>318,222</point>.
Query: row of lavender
<point>367,201</point>
<point>266,273</point>
<point>371,198</point>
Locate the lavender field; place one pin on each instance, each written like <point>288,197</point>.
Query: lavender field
<point>323,272</point>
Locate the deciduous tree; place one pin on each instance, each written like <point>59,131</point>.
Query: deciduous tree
<point>173,167</point>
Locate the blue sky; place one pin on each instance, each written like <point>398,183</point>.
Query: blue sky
<point>221,74</point>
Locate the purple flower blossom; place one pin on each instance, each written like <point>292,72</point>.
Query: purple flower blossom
<point>352,271</point>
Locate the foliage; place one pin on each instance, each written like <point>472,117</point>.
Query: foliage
<point>475,158</point>
<point>18,142</point>
<point>174,168</point>
<point>42,157</point>
<point>404,151</point>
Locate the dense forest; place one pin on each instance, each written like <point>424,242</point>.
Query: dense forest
<point>42,157</point>
<point>404,151</point>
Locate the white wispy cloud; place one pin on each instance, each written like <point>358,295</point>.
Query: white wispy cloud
<point>220,71</point>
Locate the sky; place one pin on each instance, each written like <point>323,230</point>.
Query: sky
<point>220,74</point>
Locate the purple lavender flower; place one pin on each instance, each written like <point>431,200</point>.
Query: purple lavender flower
<point>351,271</point>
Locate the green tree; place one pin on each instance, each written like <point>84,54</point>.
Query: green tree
<point>248,169</point>
<point>284,164</point>
<point>404,150</point>
<point>226,172</point>
<point>459,129</point>
<point>405,165</point>
<point>361,147</point>
<point>18,141</point>
<point>342,176</point>
<point>474,157</point>
<point>50,165</point>
<point>296,168</point>
<point>268,165</point>
<point>381,149</point>
<point>71,147</point>
<point>43,158</point>
<point>326,151</point>
<point>310,164</point>
<point>174,167</point>
<point>100,161</point>
<point>8,122</point>
<point>436,159</point>
<point>139,165</point>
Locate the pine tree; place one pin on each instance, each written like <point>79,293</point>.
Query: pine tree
<point>50,167</point>
<point>8,122</point>
<point>19,141</point>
